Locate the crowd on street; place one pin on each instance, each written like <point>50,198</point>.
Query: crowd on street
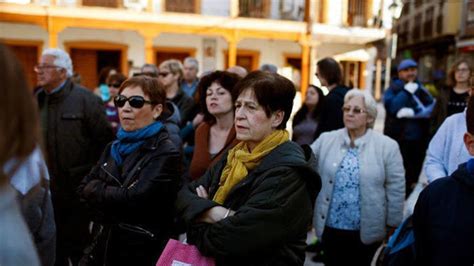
<point>121,173</point>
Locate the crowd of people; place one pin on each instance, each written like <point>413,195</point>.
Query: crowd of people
<point>108,175</point>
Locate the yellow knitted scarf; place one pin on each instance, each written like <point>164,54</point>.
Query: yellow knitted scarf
<point>240,161</point>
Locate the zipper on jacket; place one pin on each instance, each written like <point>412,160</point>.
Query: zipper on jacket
<point>109,174</point>
<point>136,229</point>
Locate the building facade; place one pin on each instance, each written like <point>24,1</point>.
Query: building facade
<point>125,34</point>
<point>429,32</point>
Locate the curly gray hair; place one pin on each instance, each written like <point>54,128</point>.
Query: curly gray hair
<point>369,101</point>
<point>62,59</point>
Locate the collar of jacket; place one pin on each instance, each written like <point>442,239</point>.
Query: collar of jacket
<point>154,142</point>
<point>464,175</point>
<point>178,96</point>
<point>287,154</point>
<point>58,96</point>
<point>360,142</point>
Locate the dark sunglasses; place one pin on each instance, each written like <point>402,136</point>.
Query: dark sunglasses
<point>114,85</point>
<point>134,101</point>
<point>163,74</point>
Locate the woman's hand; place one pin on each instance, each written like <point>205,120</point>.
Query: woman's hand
<point>215,214</point>
<point>202,192</point>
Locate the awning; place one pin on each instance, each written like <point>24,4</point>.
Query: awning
<point>356,55</point>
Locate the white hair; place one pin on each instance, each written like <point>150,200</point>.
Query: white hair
<point>193,61</point>
<point>369,101</point>
<point>62,59</point>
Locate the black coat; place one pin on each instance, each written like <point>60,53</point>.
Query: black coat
<point>331,117</point>
<point>444,221</point>
<point>273,206</point>
<point>76,133</point>
<point>135,202</point>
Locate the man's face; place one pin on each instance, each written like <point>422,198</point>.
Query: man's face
<point>190,72</point>
<point>408,74</point>
<point>48,74</point>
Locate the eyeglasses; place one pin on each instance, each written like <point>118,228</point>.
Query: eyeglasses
<point>163,74</point>
<point>355,110</point>
<point>43,67</point>
<point>114,85</point>
<point>134,101</point>
<point>464,70</point>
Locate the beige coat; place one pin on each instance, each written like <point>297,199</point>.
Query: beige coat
<point>382,180</point>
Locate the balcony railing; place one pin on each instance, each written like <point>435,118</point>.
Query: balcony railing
<point>275,9</point>
<point>357,13</point>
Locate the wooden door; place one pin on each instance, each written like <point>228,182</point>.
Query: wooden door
<point>28,56</point>
<point>89,62</point>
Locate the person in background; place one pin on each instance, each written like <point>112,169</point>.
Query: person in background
<point>329,73</point>
<point>170,75</point>
<point>75,131</point>
<point>217,133</point>
<point>443,218</point>
<point>19,153</point>
<point>114,82</point>
<point>446,150</point>
<point>408,108</point>
<point>363,185</point>
<point>102,89</point>
<point>149,70</point>
<point>240,71</point>
<point>453,98</point>
<point>190,76</point>
<point>269,68</point>
<point>305,121</point>
<point>132,189</point>
<point>253,206</point>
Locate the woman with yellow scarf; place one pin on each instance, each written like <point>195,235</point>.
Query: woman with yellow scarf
<point>254,206</point>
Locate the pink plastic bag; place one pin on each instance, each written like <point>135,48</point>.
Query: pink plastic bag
<point>180,254</point>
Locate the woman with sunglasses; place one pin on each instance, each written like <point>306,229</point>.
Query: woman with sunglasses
<point>114,82</point>
<point>363,187</point>
<point>217,133</point>
<point>170,75</point>
<point>132,189</point>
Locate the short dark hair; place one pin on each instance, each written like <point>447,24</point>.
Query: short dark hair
<point>272,91</point>
<point>226,79</point>
<point>330,70</point>
<point>470,115</point>
<point>151,87</point>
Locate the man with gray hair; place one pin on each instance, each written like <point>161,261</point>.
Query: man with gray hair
<point>190,78</point>
<point>75,131</point>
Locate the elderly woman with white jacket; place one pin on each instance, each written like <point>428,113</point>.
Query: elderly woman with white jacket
<point>363,185</point>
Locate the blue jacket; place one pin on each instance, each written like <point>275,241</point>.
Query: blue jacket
<point>396,98</point>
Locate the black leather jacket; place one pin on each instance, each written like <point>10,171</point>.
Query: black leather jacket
<point>135,201</point>
<point>75,135</point>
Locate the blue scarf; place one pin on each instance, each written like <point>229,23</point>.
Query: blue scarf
<point>129,141</point>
